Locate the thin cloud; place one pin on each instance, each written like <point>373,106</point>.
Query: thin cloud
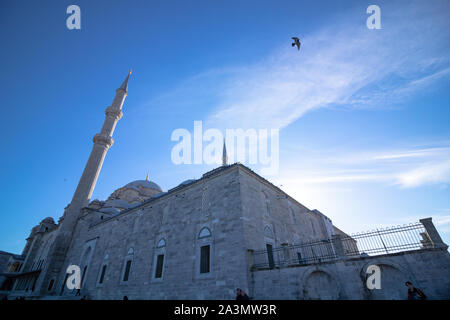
<point>442,220</point>
<point>412,153</point>
<point>429,173</point>
<point>344,65</point>
<point>405,168</point>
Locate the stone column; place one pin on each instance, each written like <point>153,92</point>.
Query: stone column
<point>338,246</point>
<point>433,233</point>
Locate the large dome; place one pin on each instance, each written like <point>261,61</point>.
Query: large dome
<point>130,195</point>
<point>144,184</point>
<point>133,193</point>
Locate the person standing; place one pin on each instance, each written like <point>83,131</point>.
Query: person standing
<point>241,295</point>
<point>414,293</point>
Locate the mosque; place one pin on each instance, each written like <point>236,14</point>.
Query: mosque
<point>202,239</point>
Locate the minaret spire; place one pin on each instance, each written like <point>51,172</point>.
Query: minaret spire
<point>124,85</point>
<point>224,154</point>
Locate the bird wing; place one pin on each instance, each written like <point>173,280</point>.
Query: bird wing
<point>295,38</point>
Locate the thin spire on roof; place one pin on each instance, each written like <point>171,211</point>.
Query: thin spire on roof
<point>224,154</point>
<point>146,178</point>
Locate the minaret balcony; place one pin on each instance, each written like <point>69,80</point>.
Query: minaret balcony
<point>113,112</point>
<point>107,141</point>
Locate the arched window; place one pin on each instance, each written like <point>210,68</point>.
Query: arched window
<point>50,285</point>
<point>269,242</point>
<point>204,247</point>
<point>85,263</point>
<point>86,254</point>
<point>268,232</point>
<point>127,265</point>
<point>102,274</point>
<point>160,253</point>
<point>204,233</point>
<point>161,243</point>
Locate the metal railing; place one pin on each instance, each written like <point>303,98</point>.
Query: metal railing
<point>371,243</point>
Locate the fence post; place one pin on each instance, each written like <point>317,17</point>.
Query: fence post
<point>433,233</point>
<point>338,246</point>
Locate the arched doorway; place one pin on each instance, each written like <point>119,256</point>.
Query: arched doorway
<point>319,285</point>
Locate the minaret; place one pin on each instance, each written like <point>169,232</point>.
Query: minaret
<point>224,154</point>
<point>102,142</point>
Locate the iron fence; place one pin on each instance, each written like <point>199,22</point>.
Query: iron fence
<point>371,243</point>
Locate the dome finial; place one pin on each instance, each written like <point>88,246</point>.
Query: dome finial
<point>146,178</point>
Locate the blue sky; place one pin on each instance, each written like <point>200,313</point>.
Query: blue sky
<point>363,114</point>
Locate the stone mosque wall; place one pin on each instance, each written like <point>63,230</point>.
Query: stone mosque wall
<point>178,219</point>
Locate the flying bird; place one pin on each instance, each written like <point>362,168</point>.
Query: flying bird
<point>296,42</point>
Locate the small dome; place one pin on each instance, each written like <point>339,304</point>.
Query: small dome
<point>143,183</point>
<point>48,220</point>
<point>186,182</point>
